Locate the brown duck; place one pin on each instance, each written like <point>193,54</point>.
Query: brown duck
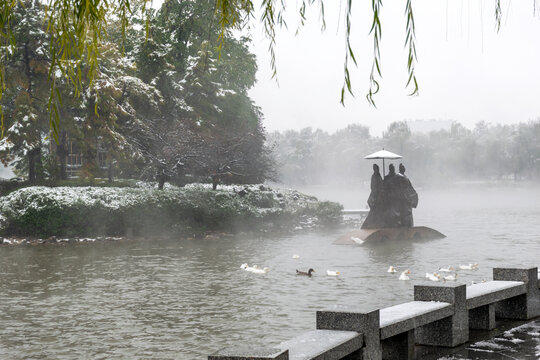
<point>305,273</point>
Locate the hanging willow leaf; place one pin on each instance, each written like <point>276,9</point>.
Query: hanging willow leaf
<point>376,30</point>
<point>349,54</point>
<point>410,43</point>
<point>498,14</point>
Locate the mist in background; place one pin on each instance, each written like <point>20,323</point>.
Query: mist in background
<point>452,154</point>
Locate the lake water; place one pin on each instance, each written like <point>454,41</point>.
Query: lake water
<point>186,299</point>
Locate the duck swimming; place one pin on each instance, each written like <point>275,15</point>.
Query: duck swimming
<point>447,270</point>
<point>251,268</point>
<point>433,277</point>
<point>305,273</point>
<point>392,269</point>
<point>261,271</point>
<point>469,267</point>
<point>404,276</point>
<point>332,273</point>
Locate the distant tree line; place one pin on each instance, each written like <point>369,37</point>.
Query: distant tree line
<point>161,105</point>
<point>487,152</point>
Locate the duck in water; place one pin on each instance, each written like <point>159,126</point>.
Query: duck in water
<point>305,273</point>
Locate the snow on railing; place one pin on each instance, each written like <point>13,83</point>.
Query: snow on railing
<point>440,315</point>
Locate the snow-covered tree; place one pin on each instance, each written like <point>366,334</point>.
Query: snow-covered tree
<point>25,98</point>
<point>164,103</point>
<point>204,98</point>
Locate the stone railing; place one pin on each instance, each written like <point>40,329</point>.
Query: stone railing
<point>440,315</point>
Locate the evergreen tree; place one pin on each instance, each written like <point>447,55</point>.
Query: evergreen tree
<point>25,99</point>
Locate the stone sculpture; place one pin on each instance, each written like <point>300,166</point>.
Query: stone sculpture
<point>375,218</point>
<point>408,198</point>
<point>391,200</point>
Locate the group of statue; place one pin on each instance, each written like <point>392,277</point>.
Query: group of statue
<point>391,200</point>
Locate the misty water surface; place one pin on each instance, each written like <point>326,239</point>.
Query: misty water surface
<point>186,299</point>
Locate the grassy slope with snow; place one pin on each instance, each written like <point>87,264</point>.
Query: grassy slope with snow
<point>192,210</point>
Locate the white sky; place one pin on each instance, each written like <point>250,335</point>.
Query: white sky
<point>466,70</point>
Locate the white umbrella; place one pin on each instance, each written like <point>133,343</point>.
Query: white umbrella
<point>383,154</point>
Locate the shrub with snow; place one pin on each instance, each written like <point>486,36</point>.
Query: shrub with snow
<point>143,210</point>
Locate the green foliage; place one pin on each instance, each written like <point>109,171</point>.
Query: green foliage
<point>329,212</point>
<point>410,43</point>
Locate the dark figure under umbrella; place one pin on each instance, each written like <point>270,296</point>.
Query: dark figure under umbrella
<point>392,198</point>
<point>375,218</point>
<point>408,200</point>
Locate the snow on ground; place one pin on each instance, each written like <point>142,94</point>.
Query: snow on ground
<point>489,344</point>
<point>521,342</point>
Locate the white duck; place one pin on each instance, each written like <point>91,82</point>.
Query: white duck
<point>252,268</point>
<point>404,274</point>
<point>433,277</point>
<point>296,256</point>
<point>260,271</point>
<point>332,273</point>
<point>446,270</point>
<point>244,266</point>
<point>469,267</point>
<point>451,277</point>
<point>391,269</point>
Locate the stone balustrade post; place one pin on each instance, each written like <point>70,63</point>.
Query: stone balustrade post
<point>522,307</point>
<point>365,321</point>
<point>451,331</point>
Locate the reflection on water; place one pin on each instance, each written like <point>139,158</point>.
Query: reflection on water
<point>172,299</point>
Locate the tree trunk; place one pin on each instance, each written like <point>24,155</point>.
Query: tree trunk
<point>39,165</point>
<point>110,171</point>
<point>61,152</point>
<point>215,181</point>
<point>34,165</point>
<point>161,182</point>
<point>31,167</point>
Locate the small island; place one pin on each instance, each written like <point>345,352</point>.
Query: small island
<point>192,211</point>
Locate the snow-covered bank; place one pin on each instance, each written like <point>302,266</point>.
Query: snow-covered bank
<point>192,210</point>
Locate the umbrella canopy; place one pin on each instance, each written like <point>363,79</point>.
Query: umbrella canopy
<point>383,154</point>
